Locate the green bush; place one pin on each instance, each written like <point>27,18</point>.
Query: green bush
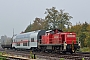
<point>85,49</point>
<point>61,58</point>
<point>2,58</point>
<point>0,53</point>
<point>82,58</point>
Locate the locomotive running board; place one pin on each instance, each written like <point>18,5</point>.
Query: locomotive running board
<point>50,44</point>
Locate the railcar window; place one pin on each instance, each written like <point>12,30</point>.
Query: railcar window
<point>25,44</point>
<point>22,36</point>
<point>18,44</point>
<point>32,39</point>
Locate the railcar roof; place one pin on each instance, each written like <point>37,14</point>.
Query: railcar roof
<point>26,34</point>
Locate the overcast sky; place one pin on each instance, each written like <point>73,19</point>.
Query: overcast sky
<point>18,14</point>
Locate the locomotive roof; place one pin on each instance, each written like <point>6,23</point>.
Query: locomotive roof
<point>58,30</point>
<point>68,33</point>
<point>54,30</point>
<point>48,30</point>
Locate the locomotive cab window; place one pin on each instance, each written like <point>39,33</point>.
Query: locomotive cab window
<point>32,39</point>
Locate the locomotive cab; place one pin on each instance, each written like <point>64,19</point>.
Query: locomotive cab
<point>57,40</point>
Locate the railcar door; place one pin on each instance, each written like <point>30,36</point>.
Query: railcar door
<point>33,40</point>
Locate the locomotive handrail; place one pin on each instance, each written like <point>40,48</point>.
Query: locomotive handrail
<point>51,40</point>
<point>54,41</point>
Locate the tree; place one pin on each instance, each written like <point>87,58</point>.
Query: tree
<point>38,24</point>
<point>82,37</point>
<point>84,27</point>
<point>88,41</point>
<point>57,18</point>
<point>76,28</point>
<point>88,28</point>
<point>28,29</point>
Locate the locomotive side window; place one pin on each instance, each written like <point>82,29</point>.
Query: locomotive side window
<point>32,39</point>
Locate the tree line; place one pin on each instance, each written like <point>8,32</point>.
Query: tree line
<point>59,19</point>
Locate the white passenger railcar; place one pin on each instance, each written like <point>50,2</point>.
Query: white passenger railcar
<point>27,40</point>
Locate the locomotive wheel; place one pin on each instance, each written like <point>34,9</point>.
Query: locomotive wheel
<point>64,52</point>
<point>71,51</point>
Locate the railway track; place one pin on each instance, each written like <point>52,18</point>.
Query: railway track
<point>50,56</point>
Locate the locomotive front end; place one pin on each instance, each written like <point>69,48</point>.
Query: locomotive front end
<point>71,41</point>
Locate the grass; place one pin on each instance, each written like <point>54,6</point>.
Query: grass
<point>85,49</point>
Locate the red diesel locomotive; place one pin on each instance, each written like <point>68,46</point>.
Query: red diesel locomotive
<point>58,41</point>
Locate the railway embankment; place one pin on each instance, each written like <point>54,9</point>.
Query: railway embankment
<point>13,54</point>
